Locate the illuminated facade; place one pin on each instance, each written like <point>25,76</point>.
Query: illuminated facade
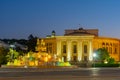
<point>79,45</point>
<point>111,44</point>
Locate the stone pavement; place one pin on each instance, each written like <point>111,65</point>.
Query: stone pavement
<point>60,78</point>
<point>60,74</point>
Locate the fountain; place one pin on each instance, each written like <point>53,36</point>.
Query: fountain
<point>36,59</point>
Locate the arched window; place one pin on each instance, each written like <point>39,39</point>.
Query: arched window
<point>74,48</point>
<point>64,47</point>
<point>103,43</point>
<point>85,48</point>
<point>107,44</point>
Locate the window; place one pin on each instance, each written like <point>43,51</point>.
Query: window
<point>74,48</point>
<point>107,44</point>
<point>115,50</point>
<point>110,50</point>
<point>85,48</point>
<point>111,44</point>
<point>103,43</point>
<point>49,47</point>
<point>64,48</point>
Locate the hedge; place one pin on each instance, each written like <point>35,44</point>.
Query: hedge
<point>105,65</point>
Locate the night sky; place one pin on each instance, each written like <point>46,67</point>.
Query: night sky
<point>20,18</point>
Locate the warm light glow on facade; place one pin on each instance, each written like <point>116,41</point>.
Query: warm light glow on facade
<point>79,45</point>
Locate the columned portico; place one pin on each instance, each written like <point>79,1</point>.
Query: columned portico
<point>83,47</point>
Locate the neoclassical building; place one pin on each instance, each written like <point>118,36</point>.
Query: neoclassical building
<point>79,45</point>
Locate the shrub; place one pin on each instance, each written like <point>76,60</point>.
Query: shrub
<point>105,65</point>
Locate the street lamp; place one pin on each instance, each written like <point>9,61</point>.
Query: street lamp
<point>94,55</point>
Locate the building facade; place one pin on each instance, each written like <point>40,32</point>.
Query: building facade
<point>79,45</point>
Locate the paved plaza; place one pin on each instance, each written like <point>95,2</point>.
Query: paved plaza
<point>60,78</point>
<point>60,74</point>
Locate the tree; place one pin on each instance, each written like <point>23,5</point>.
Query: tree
<point>12,54</point>
<point>111,61</point>
<point>31,43</point>
<point>102,55</point>
<point>3,53</point>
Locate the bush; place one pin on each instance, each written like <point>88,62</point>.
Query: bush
<point>111,61</point>
<point>105,65</point>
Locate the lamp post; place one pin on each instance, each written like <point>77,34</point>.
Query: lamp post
<point>94,55</point>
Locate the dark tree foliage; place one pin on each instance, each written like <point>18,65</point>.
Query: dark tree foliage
<point>3,53</point>
<point>30,37</point>
<point>31,43</point>
<point>19,44</point>
<point>22,41</point>
<point>12,41</point>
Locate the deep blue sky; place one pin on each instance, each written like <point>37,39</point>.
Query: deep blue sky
<point>20,18</point>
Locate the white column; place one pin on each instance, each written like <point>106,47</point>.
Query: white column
<point>58,47</point>
<point>79,48</point>
<point>90,51</point>
<point>68,50</point>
